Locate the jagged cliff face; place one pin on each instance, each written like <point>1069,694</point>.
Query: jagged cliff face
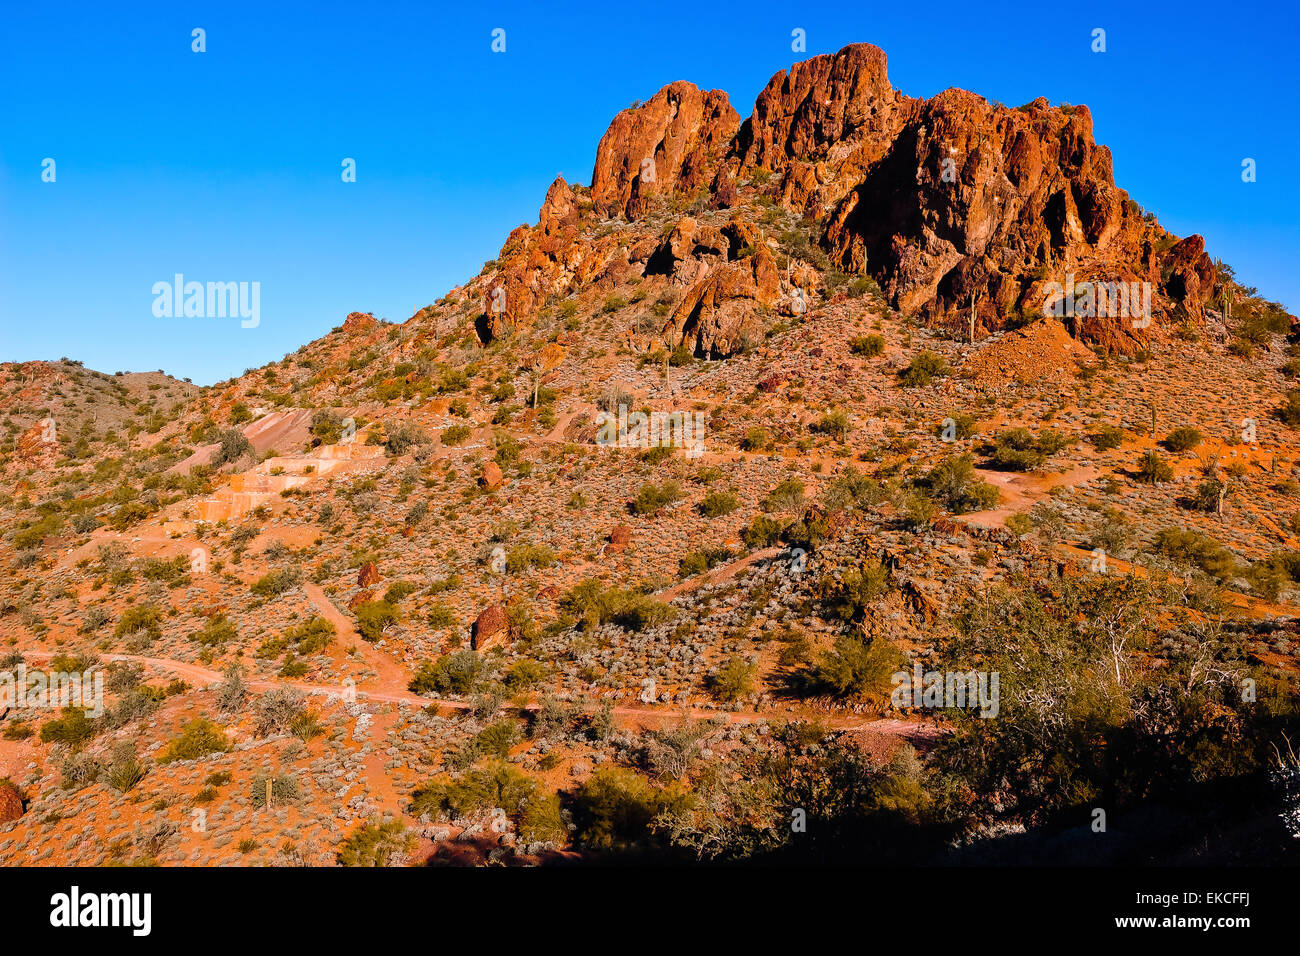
<point>949,203</point>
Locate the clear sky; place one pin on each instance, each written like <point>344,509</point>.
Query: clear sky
<point>225,165</point>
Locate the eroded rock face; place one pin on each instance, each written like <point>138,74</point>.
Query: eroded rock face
<point>359,322</point>
<point>11,805</point>
<point>950,203</point>
<point>717,313</point>
<point>368,576</point>
<point>670,144</point>
<point>619,538</point>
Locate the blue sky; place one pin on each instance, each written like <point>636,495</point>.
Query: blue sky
<point>225,165</point>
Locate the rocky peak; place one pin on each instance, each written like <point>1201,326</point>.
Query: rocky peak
<point>671,143</point>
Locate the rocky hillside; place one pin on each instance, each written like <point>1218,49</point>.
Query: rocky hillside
<point>397,597</point>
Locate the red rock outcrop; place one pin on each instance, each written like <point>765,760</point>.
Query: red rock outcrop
<point>491,476</point>
<point>368,576</point>
<point>619,538</point>
<point>359,322</point>
<point>490,627</point>
<point>670,144</point>
<point>11,804</point>
<point>948,202</point>
<point>720,311</point>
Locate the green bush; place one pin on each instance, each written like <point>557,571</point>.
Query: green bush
<point>1107,437</point>
<point>198,738</point>
<point>456,673</point>
<point>1154,469</point>
<point>613,808</point>
<point>868,346</point>
<point>373,617</point>
<point>651,499</point>
<point>455,434</point>
<point>719,503</point>
<point>924,369</point>
<point>763,532</point>
<point>375,844</point>
<point>733,680</point>
<point>956,486</point>
<point>1183,439</point>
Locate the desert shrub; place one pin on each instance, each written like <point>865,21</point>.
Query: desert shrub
<point>594,604</point>
<point>440,617</point>
<point>651,499</point>
<point>327,426</point>
<point>404,437</point>
<point>733,680</point>
<point>756,438</point>
<point>1290,410</point>
<point>1018,449</point>
<point>697,562</point>
<point>311,636</point>
<point>614,807</point>
<point>526,556</point>
<point>962,426</point>
<point>497,738</point>
<point>524,673</point>
<point>79,770</point>
<point>834,423</point>
<point>374,617</point>
<point>1154,469</point>
<point>924,369</point>
<point>276,711</point>
<point>1107,437</point>
<point>868,346</point>
<point>1193,548</point>
<point>456,673</point>
<point>198,738</point>
<point>277,582</point>
<point>233,445</point>
<point>73,729</point>
<point>855,666</point>
<point>376,844</point>
<point>455,434</point>
<point>955,485</point>
<point>218,630</point>
<point>125,770</point>
<point>786,496</point>
<point>719,503</point>
<point>1183,439</point>
<point>857,588</point>
<point>1019,523</point>
<point>763,532</point>
<point>480,788</point>
<point>144,617</point>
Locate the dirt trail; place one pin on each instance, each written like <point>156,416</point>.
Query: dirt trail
<point>723,572</point>
<point>1254,608</point>
<point>206,677</point>
<point>1021,491</point>
<point>389,675</point>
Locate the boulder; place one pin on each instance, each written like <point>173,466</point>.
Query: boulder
<point>11,803</point>
<point>491,476</point>
<point>490,627</point>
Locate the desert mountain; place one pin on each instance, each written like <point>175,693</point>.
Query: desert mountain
<point>623,546</point>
